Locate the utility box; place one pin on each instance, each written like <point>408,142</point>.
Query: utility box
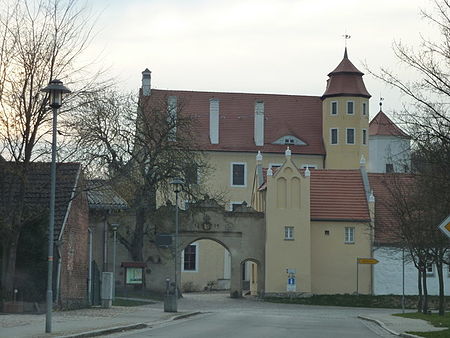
<point>107,289</point>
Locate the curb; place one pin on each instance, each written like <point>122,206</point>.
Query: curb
<point>383,326</point>
<point>100,332</point>
<point>186,315</point>
<point>116,329</point>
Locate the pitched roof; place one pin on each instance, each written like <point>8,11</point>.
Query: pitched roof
<point>37,189</point>
<point>101,195</point>
<point>296,115</point>
<point>336,195</point>
<point>345,80</point>
<point>386,230</point>
<point>383,126</point>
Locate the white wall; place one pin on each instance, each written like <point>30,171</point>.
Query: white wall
<point>388,149</point>
<point>387,276</point>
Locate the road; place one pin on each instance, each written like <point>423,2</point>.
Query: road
<point>225,317</point>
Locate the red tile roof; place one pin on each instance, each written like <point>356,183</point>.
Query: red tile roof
<point>336,195</point>
<point>296,115</point>
<point>383,126</point>
<point>386,230</point>
<point>345,80</point>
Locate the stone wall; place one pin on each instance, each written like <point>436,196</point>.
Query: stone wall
<point>74,255</point>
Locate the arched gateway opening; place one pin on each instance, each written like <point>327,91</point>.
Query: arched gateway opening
<point>213,245</point>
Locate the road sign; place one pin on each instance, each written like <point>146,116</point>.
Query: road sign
<point>367,261</point>
<point>445,226</point>
<point>291,284</point>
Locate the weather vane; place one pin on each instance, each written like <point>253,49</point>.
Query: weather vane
<point>346,37</point>
<point>381,102</point>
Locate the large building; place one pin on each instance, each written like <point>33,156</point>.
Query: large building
<point>302,161</point>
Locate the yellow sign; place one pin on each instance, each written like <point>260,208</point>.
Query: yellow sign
<point>445,226</point>
<point>367,261</point>
<point>448,226</point>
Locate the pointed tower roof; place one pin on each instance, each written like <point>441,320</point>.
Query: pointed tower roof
<point>345,80</point>
<point>381,125</point>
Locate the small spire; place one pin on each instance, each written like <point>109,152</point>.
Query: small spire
<point>345,53</point>
<point>381,103</point>
<point>288,152</point>
<point>362,162</point>
<point>307,172</point>
<point>259,156</point>
<point>269,172</point>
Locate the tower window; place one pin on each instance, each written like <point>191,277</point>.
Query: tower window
<point>364,136</point>
<point>350,135</point>
<point>350,109</point>
<point>389,168</point>
<point>334,108</point>
<point>334,135</point>
<point>364,108</point>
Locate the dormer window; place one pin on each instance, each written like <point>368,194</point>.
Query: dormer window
<point>290,140</point>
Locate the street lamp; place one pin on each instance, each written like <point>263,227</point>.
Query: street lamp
<point>177,186</point>
<point>55,89</point>
<point>114,228</point>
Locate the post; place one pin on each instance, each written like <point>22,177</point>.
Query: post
<point>51,227</point>
<point>357,276</point>
<point>403,280</point>
<point>114,266</point>
<point>176,245</point>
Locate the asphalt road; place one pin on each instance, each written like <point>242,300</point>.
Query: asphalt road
<point>225,317</point>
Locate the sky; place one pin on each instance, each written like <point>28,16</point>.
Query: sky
<point>255,46</point>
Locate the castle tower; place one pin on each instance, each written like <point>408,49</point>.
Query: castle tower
<point>345,112</point>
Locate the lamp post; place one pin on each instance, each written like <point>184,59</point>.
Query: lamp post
<point>177,185</point>
<point>114,228</point>
<point>55,89</point>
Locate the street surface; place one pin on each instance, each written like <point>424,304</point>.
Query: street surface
<point>225,317</point>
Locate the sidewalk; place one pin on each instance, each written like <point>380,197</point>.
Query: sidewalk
<point>67,323</point>
<point>398,325</point>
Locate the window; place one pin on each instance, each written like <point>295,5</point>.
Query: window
<point>191,174</point>
<point>350,135</point>
<point>350,110</point>
<point>289,140</point>
<point>389,168</point>
<point>238,175</point>
<point>334,135</point>
<point>190,257</point>
<point>327,232</point>
<point>430,270</point>
<point>289,233</point>
<point>349,235</point>
<point>334,108</point>
<point>364,108</point>
<point>309,166</point>
<point>364,136</point>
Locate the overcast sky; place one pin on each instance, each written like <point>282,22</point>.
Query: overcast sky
<point>262,46</point>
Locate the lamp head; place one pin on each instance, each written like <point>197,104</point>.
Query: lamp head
<point>56,89</point>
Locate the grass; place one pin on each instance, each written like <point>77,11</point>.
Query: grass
<point>385,301</point>
<point>435,320</point>
<point>128,302</point>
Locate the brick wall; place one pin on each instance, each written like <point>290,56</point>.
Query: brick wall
<point>75,256</point>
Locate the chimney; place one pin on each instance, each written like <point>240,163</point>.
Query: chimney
<point>146,82</point>
<point>214,120</point>
<point>259,123</point>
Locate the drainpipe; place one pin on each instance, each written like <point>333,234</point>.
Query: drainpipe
<point>90,268</point>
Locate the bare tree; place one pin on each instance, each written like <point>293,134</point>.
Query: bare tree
<point>40,40</point>
<point>140,146</point>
